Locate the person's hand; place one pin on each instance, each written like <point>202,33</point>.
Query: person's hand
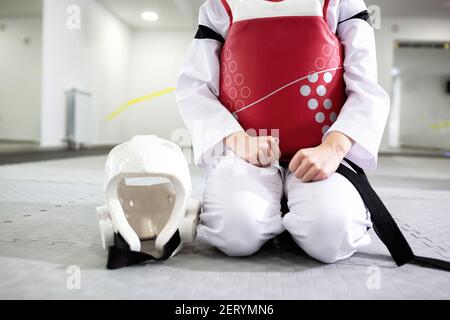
<point>260,151</point>
<point>316,164</point>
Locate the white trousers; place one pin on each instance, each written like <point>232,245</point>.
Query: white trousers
<point>241,211</point>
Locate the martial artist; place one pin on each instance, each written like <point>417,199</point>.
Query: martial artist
<point>276,94</point>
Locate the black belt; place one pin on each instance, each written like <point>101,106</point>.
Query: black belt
<point>383,223</point>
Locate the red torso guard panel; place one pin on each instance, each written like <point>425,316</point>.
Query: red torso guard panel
<point>282,69</point>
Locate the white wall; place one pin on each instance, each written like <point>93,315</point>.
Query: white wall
<point>424,100</point>
<point>94,59</point>
<point>414,29</point>
<point>155,64</point>
<point>114,63</point>
<point>424,104</point>
<point>20,79</point>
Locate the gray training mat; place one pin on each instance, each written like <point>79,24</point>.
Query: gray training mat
<point>48,223</point>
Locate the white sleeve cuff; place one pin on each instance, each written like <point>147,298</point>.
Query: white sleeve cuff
<point>364,151</point>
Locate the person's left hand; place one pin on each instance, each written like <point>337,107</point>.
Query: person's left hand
<point>316,164</point>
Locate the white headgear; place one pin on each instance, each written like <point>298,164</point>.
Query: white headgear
<point>149,211</point>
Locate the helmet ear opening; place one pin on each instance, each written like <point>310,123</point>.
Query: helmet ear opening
<point>147,203</point>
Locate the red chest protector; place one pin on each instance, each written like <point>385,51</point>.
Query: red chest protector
<point>282,69</point>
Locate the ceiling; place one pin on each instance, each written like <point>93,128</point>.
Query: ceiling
<point>183,13</point>
<point>176,14</point>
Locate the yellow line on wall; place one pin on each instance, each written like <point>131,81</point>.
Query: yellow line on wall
<point>150,96</point>
<point>441,125</point>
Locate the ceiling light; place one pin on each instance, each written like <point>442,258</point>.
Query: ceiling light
<point>150,16</point>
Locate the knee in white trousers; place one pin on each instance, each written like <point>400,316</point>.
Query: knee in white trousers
<point>241,207</point>
<point>327,219</point>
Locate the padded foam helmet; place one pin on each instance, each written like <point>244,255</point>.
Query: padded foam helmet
<point>149,212</point>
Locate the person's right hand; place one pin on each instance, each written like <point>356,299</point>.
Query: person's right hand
<point>262,151</point>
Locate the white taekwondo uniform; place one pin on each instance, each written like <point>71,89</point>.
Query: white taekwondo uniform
<point>220,92</point>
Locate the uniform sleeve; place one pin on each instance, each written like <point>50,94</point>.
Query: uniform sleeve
<point>208,121</point>
<point>364,115</point>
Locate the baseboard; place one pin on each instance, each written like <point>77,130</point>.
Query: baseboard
<point>47,154</point>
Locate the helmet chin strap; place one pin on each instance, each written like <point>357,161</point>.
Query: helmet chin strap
<point>120,255</point>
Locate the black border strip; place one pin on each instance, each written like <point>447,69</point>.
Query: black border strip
<point>205,32</point>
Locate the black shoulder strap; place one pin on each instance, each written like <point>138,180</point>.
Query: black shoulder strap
<point>205,32</point>
<point>363,15</point>
<point>384,225</point>
<point>120,255</point>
